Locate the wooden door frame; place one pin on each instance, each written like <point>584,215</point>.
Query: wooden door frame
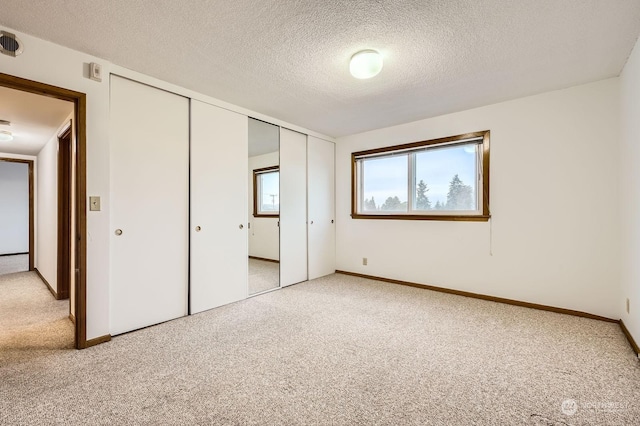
<point>79,101</point>
<point>65,153</point>
<point>29,164</point>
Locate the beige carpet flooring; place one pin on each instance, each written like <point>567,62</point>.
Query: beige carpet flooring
<point>338,351</point>
<point>13,264</point>
<point>31,319</point>
<point>263,275</point>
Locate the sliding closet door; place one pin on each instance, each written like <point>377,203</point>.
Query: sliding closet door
<point>219,162</point>
<point>321,187</point>
<point>149,205</point>
<point>293,207</point>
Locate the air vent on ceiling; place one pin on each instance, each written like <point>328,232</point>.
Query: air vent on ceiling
<point>10,44</point>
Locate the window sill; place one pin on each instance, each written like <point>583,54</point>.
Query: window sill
<point>448,218</point>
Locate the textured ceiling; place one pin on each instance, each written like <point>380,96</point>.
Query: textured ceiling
<point>34,120</point>
<point>289,58</point>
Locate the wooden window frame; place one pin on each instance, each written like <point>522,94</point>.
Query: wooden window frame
<point>256,172</point>
<point>484,215</point>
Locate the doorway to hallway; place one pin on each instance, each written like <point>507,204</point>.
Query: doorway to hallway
<point>70,272</point>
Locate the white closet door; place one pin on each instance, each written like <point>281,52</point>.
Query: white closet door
<point>321,189</point>
<point>219,164</point>
<point>149,205</point>
<point>293,207</point>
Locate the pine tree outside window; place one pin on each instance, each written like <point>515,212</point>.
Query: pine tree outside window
<point>441,179</point>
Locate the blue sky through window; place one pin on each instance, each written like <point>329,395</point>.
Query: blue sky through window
<point>437,167</point>
<point>270,194</point>
<point>385,177</point>
<point>388,176</point>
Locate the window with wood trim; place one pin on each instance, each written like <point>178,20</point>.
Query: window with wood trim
<point>439,179</point>
<point>266,192</point>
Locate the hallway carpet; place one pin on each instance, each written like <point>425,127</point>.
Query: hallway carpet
<point>338,350</point>
<point>13,264</point>
<point>31,319</point>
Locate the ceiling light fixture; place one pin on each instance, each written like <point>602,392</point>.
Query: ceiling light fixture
<point>5,136</point>
<point>365,64</point>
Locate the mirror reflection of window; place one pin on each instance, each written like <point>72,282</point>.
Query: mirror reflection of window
<point>267,191</point>
<point>263,210</point>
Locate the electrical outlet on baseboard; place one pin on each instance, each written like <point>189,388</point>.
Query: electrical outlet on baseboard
<point>364,261</point>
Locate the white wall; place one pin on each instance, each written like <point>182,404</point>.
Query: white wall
<point>46,239</point>
<point>630,193</point>
<point>264,234</point>
<point>46,212</point>
<point>35,177</point>
<point>553,237</point>
<point>14,207</point>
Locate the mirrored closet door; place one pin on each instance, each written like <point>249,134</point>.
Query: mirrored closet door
<point>264,206</point>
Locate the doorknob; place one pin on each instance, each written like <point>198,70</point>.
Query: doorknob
<point>312,222</point>
<point>241,226</point>
<point>198,229</point>
<point>118,232</point>
<point>331,220</point>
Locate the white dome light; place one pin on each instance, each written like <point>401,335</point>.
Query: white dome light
<point>365,64</point>
<point>5,136</point>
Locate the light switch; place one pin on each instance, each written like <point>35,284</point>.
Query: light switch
<point>94,204</point>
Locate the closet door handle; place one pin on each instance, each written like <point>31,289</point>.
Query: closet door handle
<point>331,220</point>
<point>312,222</point>
<point>198,229</point>
<point>241,226</point>
<point>118,232</point>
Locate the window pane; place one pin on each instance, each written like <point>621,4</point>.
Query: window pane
<point>384,185</point>
<point>269,192</point>
<point>446,178</point>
